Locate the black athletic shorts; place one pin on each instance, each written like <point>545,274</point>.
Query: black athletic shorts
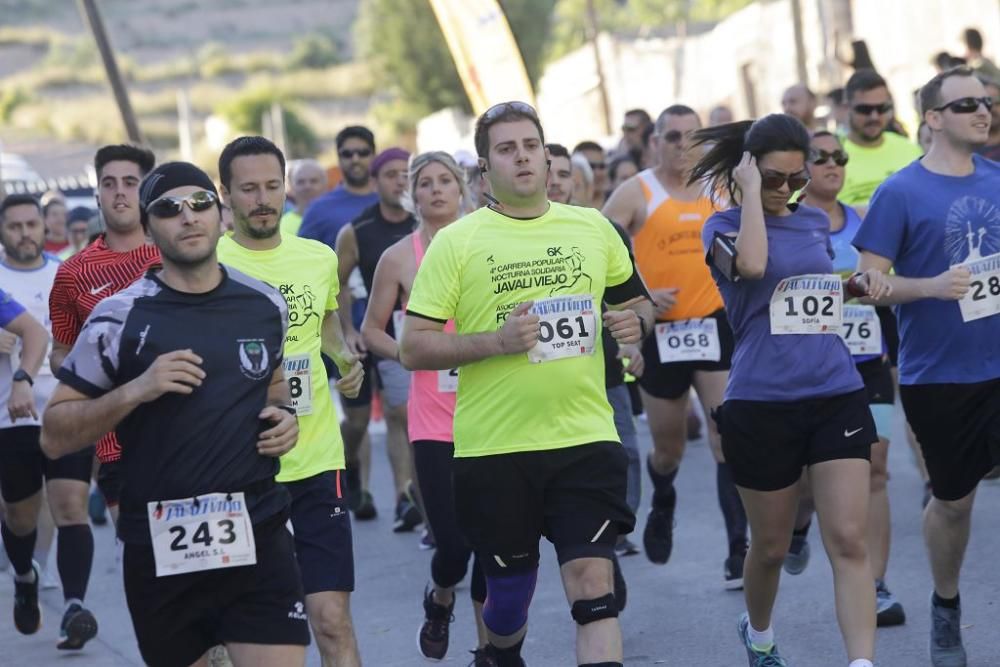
<point>109,482</point>
<point>23,466</point>
<point>322,527</point>
<point>368,386</point>
<point>958,427</point>
<point>178,618</point>
<point>767,443</point>
<point>575,497</point>
<point>877,376</point>
<point>672,381</point>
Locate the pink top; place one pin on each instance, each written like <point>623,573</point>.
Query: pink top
<point>431,411</point>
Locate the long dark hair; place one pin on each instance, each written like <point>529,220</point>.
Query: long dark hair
<point>727,143</point>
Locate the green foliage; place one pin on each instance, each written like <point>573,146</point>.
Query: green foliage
<point>314,51</point>
<point>77,53</point>
<point>11,99</point>
<point>246,112</point>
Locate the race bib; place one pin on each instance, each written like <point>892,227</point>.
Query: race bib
<point>983,298</point>
<point>688,340</point>
<point>448,381</point>
<point>398,317</point>
<point>861,330</point>
<point>298,373</point>
<point>204,533</point>
<point>809,304</point>
<point>568,328</point>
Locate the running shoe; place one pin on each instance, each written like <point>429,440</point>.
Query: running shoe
<point>888,610</point>
<point>27,613</point>
<point>757,658</point>
<point>946,637</point>
<point>78,627</point>
<point>97,508</point>
<point>365,509</point>
<point>432,638</point>
<point>626,547</point>
<point>733,569</point>
<point>658,536</point>
<point>427,542</point>
<point>407,513</point>
<point>797,558</point>
<point>482,658</point>
<point>621,588</point>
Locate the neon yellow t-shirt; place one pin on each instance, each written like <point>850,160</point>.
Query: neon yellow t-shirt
<point>481,267</point>
<point>290,223</point>
<point>868,167</point>
<point>305,272</point>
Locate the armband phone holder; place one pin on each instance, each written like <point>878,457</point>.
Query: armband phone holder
<point>723,256</point>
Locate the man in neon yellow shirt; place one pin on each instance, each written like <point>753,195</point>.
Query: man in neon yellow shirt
<point>305,272</point>
<point>536,450</point>
<point>875,153</point>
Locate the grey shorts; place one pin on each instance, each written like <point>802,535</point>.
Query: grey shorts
<point>395,382</point>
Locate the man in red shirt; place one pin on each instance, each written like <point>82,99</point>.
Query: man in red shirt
<point>111,263</point>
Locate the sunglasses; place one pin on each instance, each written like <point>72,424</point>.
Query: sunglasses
<point>966,105</point>
<point>838,156</point>
<point>630,128</point>
<point>598,165</point>
<point>169,207</point>
<point>869,109</point>
<point>498,110</point>
<point>675,136</point>
<point>773,180</point>
<point>349,153</point>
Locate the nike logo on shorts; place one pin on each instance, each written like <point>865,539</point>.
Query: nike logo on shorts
<point>848,434</point>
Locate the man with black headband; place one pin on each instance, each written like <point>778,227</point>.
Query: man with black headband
<point>536,450</point>
<point>186,366</point>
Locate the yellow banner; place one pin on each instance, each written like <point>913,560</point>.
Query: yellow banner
<point>485,53</point>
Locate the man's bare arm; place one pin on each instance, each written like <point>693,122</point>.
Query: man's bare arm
<point>950,285</point>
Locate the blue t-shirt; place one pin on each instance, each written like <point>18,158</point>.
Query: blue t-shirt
<point>925,223</point>
<point>327,214</point>
<point>788,367</point>
<point>9,309</point>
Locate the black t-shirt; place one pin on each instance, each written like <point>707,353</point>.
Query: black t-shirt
<point>374,235</point>
<point>181,446</point>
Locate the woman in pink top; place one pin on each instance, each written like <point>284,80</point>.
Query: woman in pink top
<point>436,192</point>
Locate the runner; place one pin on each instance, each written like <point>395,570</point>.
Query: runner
<point>28,273</point>
<point>794,398</point>
<point>936,223</point>
<point>693,342</point>
<point>308,181</point>
<point>305,271</point>
<point>435,196</point>
<point>360,245</point>
<point>535,444</point>
<point>202,421</point>
<point>862,332</point>
<point>109,264</point>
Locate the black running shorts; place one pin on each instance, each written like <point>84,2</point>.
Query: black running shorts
<point>23,466</point>
<point>767,443</point>
<point>574,496</point>
<point>322,525</point>
<point>109,482</point>
<point>179,617</point>
<point>958,427</point>
<point>672,381</point>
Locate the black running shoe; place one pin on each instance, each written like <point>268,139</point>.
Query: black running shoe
<point>658,536</point>
<point>734,570</point>
<point>432,639</point>
<point>621,588</point>
<point>408,514</point>
<point>78,627</point>
<point>483,658</point>
<point>365,510</point>
<point>27,613</point>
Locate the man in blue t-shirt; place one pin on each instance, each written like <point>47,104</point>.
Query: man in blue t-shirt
<point>937,222</point>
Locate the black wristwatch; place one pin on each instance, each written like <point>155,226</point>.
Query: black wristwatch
<point>21,375</point>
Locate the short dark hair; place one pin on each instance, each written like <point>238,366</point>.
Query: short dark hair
<point>618,162</point>
<point>356,132</point>
<point>509,113</point>
<point>141,157</point>
<point>675,110</point>
<point>10,201</point>
<point>641,113</point>
<point>55,201</point>
<point>862,81</point>
<point>930,92</point>
<point>973,39</point>
<point>587,145</point>
<point>251,145</point>
<point>557,150</point>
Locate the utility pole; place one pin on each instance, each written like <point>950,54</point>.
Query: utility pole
<point>93,18</point>
<point>602,87</point>
<point>800,42</point>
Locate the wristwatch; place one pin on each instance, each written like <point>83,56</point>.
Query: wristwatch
<point>21,375</point>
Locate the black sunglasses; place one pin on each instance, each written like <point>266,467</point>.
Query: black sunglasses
<point>774,180</point>
<point>349,153</point>
<point>675,136</point>
<point>966,104</point>
<point>498,110</point>
<point>169,207</point>
<point>869,109</point>
<point>838,156</point>
<point>598,165</point>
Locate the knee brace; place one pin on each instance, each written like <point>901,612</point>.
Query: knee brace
<point>507,599</point>
<point>588,611</point>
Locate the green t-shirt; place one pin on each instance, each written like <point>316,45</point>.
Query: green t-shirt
<point>290,223</point>
<point>479,269</point>
<point>305,272</point>
<point>868,167</point>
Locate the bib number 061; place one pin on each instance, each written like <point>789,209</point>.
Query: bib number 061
<point>563,327</point>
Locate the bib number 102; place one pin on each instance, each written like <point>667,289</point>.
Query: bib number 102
<point>563,328</point>
<point>202,535</point>
<point>810,306</point>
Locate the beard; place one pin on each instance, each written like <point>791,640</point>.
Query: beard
<point>25,251</point>
<point>356,177</point>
